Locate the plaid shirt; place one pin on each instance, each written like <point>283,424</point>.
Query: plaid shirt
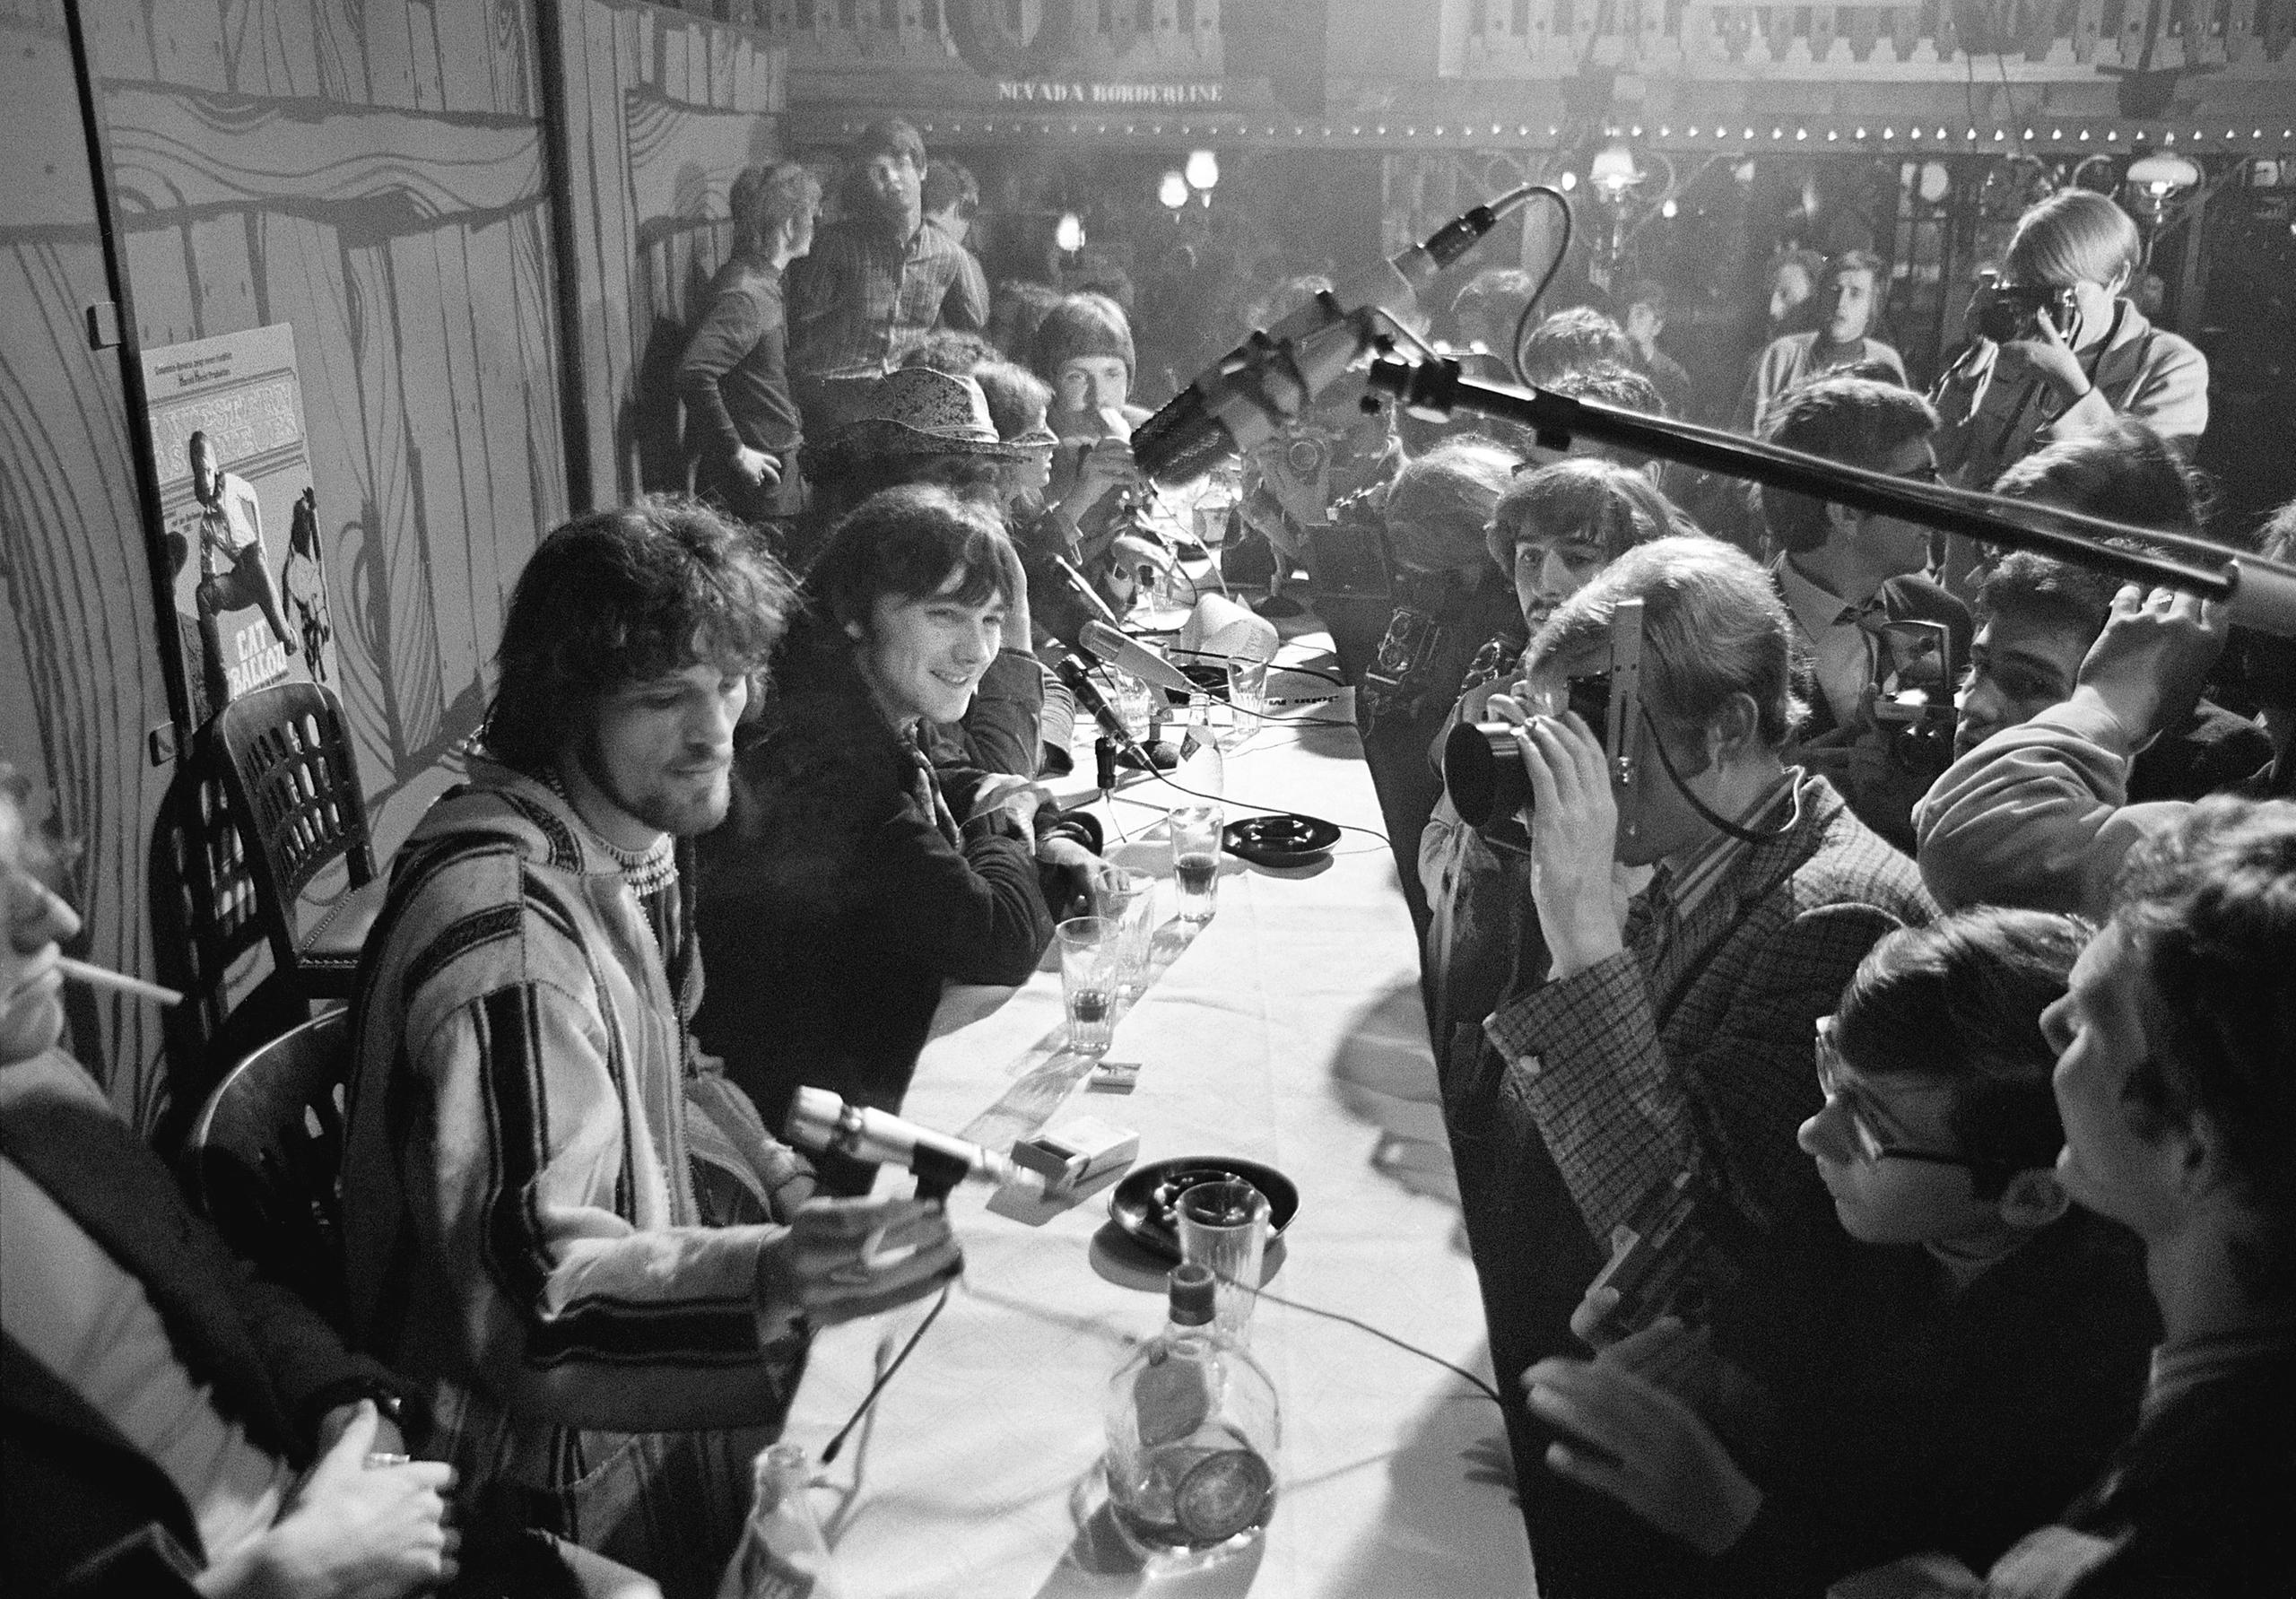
<point>862,299</point>
<point>1691,1047</point>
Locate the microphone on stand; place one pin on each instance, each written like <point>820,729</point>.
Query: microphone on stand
<point>1146,756</point>
<point>1273,374</point>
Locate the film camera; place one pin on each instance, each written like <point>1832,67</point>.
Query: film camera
<point>1919,716</point>
<point>2003,311</point>
<point>1484,771</point>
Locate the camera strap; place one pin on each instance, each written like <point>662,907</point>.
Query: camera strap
<point>1744,835</point>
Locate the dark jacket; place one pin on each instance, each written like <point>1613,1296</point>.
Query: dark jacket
<point>87,1512</point>
<point>832,906</point>
<point>2194,1505</point>
<point>1948,1421</point>
<point>1690,1051</point>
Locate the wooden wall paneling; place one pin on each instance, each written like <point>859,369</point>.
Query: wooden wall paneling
<point>292,47</point>
<point>499,406</point>
<point>599,204</point>
<point>405,642</point>
<point>75,577</point>
<point>429,69</point>
<point>187,47</point>
<point>461,568</point>
<point>223,284</point>
<point>304,284</point>
<point>336,28</point>
<point>118,42</point>
<point>722,46</point>
<point>172,151</point>
<point>513,40</point>
<point>436,563</point>
<point>268,46</point>
<point>388,35</point>
<point>158,259</point>
<point>465,56</point>
<point>535,276</point>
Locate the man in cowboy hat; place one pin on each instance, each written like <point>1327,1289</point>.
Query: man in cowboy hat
<point>921,426</point>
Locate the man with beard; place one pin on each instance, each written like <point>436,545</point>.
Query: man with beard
<point>562,1224</point>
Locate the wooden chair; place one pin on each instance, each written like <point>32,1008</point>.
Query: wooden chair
<point>285,761</point>
<point>265,1160</point>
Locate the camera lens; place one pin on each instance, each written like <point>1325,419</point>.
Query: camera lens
<point>1305,457</point>
<point>1484,772</point>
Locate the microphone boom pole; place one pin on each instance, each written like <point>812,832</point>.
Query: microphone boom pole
<point>2259,593</point>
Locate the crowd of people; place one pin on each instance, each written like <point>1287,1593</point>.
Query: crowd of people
<point>1868,1057</point>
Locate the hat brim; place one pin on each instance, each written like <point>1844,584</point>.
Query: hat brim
<point>884,436</point>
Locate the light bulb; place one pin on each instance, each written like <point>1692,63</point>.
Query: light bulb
<point>1202,170</point>
<point>1069,233</point>
<point>1172,193</point>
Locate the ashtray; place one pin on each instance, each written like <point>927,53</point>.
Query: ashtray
<point>1144,1205</point>
<point>1283,839</point>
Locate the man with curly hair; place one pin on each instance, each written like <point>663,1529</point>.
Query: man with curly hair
<point>563,1223</point>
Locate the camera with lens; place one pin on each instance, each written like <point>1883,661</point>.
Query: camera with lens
<point>1307,455</point>
<point>2003,311</point>
<point>1482,769</point>
<point>1919,714</point>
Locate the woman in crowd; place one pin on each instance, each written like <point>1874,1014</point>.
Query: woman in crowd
<point>2069,371</point>
<point>843,891</point>
<point>1975,1371</point>
<point>173,1425</point>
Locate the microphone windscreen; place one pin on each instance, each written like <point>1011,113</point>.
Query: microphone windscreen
<point>1219,626</point>
<point>1182,442</point>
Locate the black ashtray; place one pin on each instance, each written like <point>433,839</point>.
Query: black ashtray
<point>1282,839</point>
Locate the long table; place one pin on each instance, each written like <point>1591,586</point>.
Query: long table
<point>1290,1030</point>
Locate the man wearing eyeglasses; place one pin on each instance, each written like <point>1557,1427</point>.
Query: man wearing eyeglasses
<point>1692,924</point>
<point>1974,1372</point>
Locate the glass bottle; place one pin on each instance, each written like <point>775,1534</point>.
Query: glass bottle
<point>783,1554</point>
<point>1193,1431</point>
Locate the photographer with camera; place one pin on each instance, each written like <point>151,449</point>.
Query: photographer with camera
<point>2057,348</point>
<point>1696,918</point>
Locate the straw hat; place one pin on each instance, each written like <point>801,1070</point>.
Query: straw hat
<point>916,410</point>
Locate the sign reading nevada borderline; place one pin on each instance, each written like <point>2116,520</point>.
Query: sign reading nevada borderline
<point>1048,92</point>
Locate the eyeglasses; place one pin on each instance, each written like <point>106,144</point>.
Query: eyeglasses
<point>1872,1148</point>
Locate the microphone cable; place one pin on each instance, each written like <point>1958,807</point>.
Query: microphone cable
<point>1562,252</point>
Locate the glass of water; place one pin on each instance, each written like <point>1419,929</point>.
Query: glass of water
<point>1196,859</point>
<point>1224,1226</point>
<point>1089,983</point>
<point>1127,901</point>
<point>1131,703</point>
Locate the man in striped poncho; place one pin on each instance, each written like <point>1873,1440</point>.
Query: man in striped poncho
<point>561,1219</point>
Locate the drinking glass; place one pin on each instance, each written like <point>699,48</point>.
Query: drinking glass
<point>1088,982</point>
<point>1248,692</point>
<point>1127,901</point>
<point>1131,702</point>
<point>1224,1226</point>
<point>1196,859</point>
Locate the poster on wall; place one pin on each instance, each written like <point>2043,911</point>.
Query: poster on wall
<point>240,523</point>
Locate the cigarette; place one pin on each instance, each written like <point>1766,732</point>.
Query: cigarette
<point>103,976</point>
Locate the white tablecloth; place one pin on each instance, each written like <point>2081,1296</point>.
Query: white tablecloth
<point>1290,1031</point>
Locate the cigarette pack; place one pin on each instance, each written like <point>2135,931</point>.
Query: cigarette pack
<point>1077,1151</point>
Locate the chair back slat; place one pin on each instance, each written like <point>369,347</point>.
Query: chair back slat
<point>285,760</point>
